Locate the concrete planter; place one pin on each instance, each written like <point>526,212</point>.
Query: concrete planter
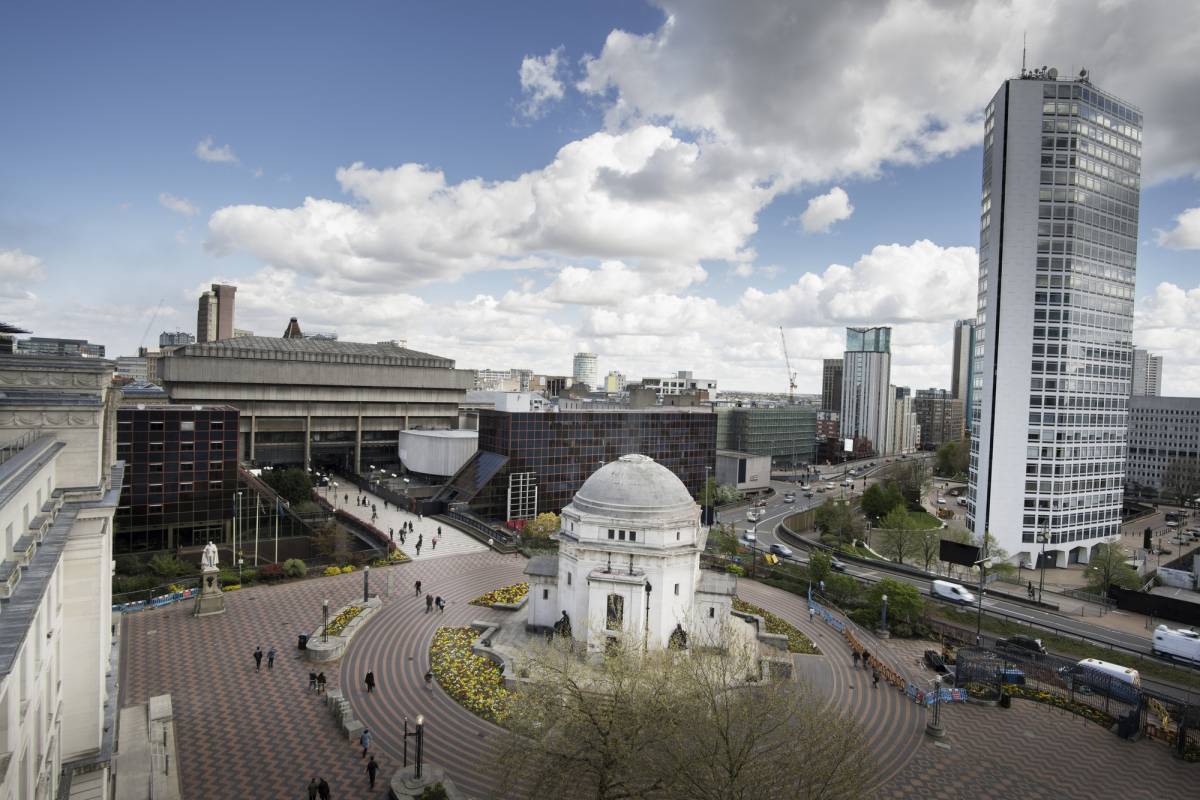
<point>335,646</point>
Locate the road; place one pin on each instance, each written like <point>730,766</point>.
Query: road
<point>767,531</point>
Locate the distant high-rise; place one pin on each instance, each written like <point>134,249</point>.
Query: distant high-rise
<point>866,401</point>
<point>1057,258</point>
<point>214,317</point>
<point>47,346</point>
<point>903,429</point>
<point>175,338</point>
<point>831,385</point>
<point>1147,374</point>
<point>940,417</point>
<point>585,370</point>
<point>614,382</point>
<point>960,370</point>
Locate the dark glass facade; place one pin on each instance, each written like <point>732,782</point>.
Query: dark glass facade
<point>180,476</point>
<point>563,449</point>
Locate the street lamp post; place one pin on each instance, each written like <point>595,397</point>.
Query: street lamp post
<point>420,734</point>
<point>1043,537</point>
<point>325,627</point>
<point>883,631</point>
<point>335,494</point>
<point>983,564</point>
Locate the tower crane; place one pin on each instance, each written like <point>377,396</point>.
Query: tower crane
<point>788,362</point>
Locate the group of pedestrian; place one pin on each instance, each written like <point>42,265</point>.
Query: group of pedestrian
<point>258,657</point>
<point>866,662</point>
<point>318,788</point>
<point>431,601</point>
<point>316,682</point>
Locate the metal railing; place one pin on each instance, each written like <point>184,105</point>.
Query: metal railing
<point>10,449</point>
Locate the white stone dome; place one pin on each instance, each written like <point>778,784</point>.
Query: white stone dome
<point>635,487</point>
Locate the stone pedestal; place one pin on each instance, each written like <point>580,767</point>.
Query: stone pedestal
<point>211,600</point>
<point>406,787</point>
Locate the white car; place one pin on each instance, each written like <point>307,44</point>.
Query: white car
<point>953,592</point>
<point>750,536</point>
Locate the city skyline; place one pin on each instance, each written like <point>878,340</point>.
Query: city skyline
<point>609,211</point>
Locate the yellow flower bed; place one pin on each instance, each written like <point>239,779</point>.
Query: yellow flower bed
<point>508,595</point>
<point>331,571</point>
<point>797,641</point>
<point>473,681</point>
<point>339,623</point>
<point>231,587</point>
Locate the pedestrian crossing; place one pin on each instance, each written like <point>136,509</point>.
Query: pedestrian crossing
<point>450,542</point>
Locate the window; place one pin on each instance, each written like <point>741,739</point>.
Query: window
<point>214,484</point>
<point>612,534</point>
<point>633,536</point>
<point>677,536</point>
<point>568,579</point>
<point>712,612</point>
<point>545,594</point>
<point>187,425</point>
<point>677,590</point>
<point>621,535</point>
<point>615,612</point>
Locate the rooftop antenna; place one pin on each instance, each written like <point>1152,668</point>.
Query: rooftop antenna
<point>1023,35</point>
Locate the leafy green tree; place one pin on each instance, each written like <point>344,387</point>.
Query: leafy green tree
<point>911,477</point>
<point>842,589</point>
<point>928,546</point>
<point>906,606</point>
<point>542,526</point>
<point>837,519</point>
<point>1181,480</point>
<point>168,566</point>
<point>819,566</point>
<point>708,494</point>
<point>728,494</point>
<point>880,498</point>
<point>1107,568</point>
<point>292,484</point>
<point>953,458</point>
<point>896,534</point>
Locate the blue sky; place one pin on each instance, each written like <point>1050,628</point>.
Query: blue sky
<point>648,207</point>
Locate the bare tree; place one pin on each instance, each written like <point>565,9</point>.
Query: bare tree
<point>703,725</point>
<point>1181,480</point>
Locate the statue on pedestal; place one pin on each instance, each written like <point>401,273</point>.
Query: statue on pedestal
<point>209,560</point>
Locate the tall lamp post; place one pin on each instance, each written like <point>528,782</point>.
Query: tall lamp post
<point>1043,537</point>
<point>883,631</point>
<point>419,732</point>
<point>325,614</point>
<point>983,564</point>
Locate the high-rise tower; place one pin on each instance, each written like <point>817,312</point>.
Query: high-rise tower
<point>1057,257</point>
<point>960,370</point>
<point>214,314</point>
<point>867,403</point>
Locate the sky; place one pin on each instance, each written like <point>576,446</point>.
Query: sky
<point>665,184</point>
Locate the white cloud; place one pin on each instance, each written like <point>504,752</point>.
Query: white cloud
<point>17,271</point>
<point>817,92</point>
<point>258,172</point>
<point>643,196</point>
<point>1167,323</point>
<point>179,205</point>
<point>826,209</point>
<point>207,151</point>
<point>1186,233</point>
<point>540,83</point>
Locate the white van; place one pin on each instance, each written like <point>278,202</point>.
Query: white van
<point>945,590</point>
<point>1183,644</point>
<point>1126,675</point>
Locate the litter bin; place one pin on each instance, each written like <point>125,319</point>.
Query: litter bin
<point>303,643</point>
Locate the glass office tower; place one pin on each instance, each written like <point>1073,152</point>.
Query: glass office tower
<point>1057,258</point>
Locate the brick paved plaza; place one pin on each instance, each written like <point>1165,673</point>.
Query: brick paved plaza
<point>264,735</point>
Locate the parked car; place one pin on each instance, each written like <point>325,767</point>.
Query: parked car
<point>810,494</point>
<point>1181,643</point>
<point>790,497</point>
<point>783,551</point>
<point>954,593</point>
<point>1021,642</point>
<point>836,565</point>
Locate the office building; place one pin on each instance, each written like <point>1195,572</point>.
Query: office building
<point>681,383</point>
<point>58,493</point>
<point>503,380</point>
<point>614,382</point>
<point>175,339</point>
<point>585,370</point>
<point>134,368</point>
<point>963,362</point>
<point>1162,430</point>
<point>214,317</point>
<point>1147,374</point>
<point>788,434</point>
<point>831,385</point>
<point>313,402</point>
<point>45,346</point>
<point>903,430</point>
<point>745,472</point>
<point>181,475</point>
<point>1057,259</point>
<point>939,417</point>
<point>531,462</point>
<point>867,402</point>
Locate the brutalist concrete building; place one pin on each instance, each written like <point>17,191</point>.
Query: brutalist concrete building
<point>319,403</point>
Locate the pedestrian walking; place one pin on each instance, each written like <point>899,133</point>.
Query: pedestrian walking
<point>417,589</point>
<point>856,657</point>
<point>385,505</point>
<point>372,768</point>
<point>312,685</point>
<point>365,741</point>
<point>439,533</point>
<point>874,679</point>
<point>346,499</point>
<point>258,659</point>
<point>428,603</point>
<point>402,536</point>
<point>418,546</point>
<point>420,516</point>
<point>323,789</point>
<point>320,683</point>
<point>313,789</point>
<point>440,603</point>
<point>370,682</point>
<point>1031,592</point>
<point>812,612</point>
<point>866,660</point>
<point>822,584</point>
<point>433,541</point>
<point>271,658</point>
<point>429,679</point>
<point>373,509</point>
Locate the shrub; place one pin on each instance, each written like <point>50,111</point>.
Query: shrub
<point>249,576</point>
<point>295,568</point>
<point>347,568</point>
<point>124,584</point>
<point>797,641</point>
<point>331,571</point>
<point>130,564</point>
<point>168,566</point>
<point>435,792</point>
<point>270,572</point>
<point>735,569</point>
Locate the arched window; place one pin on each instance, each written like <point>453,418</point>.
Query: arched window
<point>615,617</point>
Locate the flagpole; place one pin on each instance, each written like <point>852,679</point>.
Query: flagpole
<point>257,514</point>
<point>276,535</point>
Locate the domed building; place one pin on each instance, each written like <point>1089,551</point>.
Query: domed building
<point>628,565</point>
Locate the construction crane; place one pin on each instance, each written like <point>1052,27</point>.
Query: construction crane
<point>788,362</point>
<point>154,316</point>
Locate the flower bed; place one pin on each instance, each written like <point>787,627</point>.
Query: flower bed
<point>508,595</point>
<point>473,681</point>
<point>1049,698</point>
<point>339,623</point>
<point>797,641</point>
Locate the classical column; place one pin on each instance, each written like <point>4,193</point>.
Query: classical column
<point>307,440</point>
<point>358,444</point>
<point>253,433</point>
